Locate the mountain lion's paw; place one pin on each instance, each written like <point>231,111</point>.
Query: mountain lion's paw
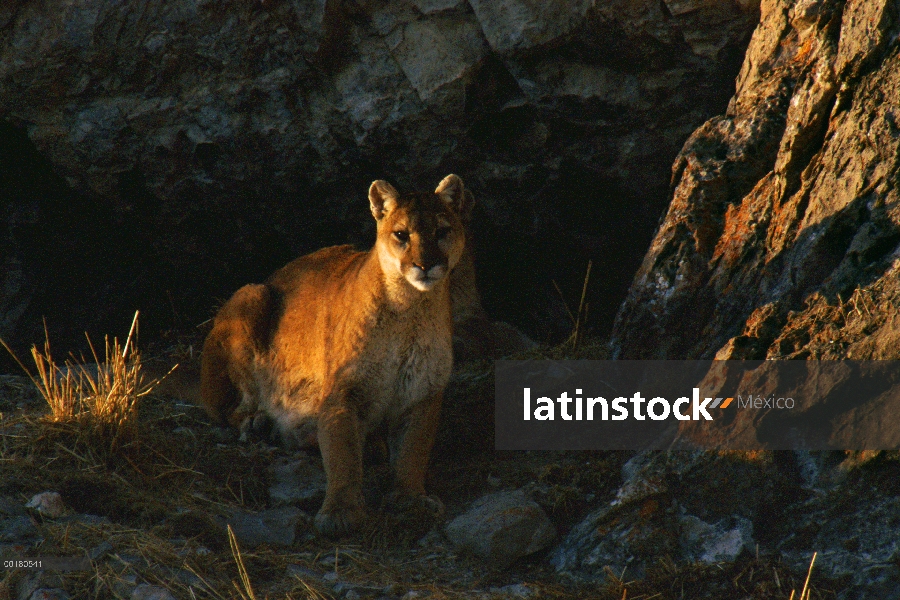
<point>420,506</point>
<point>339,521</point>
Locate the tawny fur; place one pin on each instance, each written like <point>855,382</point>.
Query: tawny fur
<point>340,342</point>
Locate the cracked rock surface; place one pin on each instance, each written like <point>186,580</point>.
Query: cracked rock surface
<point>781,239</point>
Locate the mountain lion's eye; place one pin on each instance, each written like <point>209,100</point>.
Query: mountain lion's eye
<point>443,232</point>
<point>401,236</point>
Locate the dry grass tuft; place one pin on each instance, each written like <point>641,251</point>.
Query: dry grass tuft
<point>101,399</point>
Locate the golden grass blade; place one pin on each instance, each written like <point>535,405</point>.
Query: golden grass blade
<point>247,591</point>
<point>60,392</point>
<point>804,595</point>
<point>210,590</point>
<point>16,358</point>
<point>582,307</point>
<point>131,332</point>
<point>565,304</point>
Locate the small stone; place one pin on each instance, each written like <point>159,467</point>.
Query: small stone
<point>11,508</point>
<point>276,526</point>
<point>428,7</point>
<point>224,435</point>
<point>200,526</point>
<point>509,340</point>
<point>502,527</point>
<point>329,560</point>
<point>49,594</point>
<point>41,585</point>
<point>430,540</point>
<point>297,482</point>
<point>130,560</point>
<point>711,543</point>
<point>17,529</point>
<point>187,578</point>
<point>151,592</point>
<point>48,504</point>
<point>125,583</point>
<point>342,587</point>
<point>100,550</point>
<point>517,590</point>
<point>392,589</point>
<point>302,572</point>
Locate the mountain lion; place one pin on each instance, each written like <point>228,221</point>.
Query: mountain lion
<point>339,342</point>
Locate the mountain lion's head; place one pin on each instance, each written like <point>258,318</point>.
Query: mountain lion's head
<point>420,235</point>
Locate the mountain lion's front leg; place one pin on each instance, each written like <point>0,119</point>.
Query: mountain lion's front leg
<point>339,440</point>
<point>410,454</point>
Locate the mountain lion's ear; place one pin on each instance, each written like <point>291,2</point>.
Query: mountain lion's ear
<point>382,198</point>
<point>452,192</point>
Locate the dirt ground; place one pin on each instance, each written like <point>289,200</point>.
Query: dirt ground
<point>151,511</point>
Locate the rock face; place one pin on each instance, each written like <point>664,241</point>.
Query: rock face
<point>165,153</point>
<point>832,404</point>
<point>858,546</point>
<point>690,506</point>
<point>781,240</point>
<point>703,507</point>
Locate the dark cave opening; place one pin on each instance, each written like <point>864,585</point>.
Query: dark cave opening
<point>581,216</point>
<point>85,264</point>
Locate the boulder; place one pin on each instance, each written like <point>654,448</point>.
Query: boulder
<point>502,527</point>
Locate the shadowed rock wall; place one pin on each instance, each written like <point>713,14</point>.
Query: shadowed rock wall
<point>781,239</point>
<point>193,146</point>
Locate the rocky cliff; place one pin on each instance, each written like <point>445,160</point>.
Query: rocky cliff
<point>781,239</point>
<point>157,155</point>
